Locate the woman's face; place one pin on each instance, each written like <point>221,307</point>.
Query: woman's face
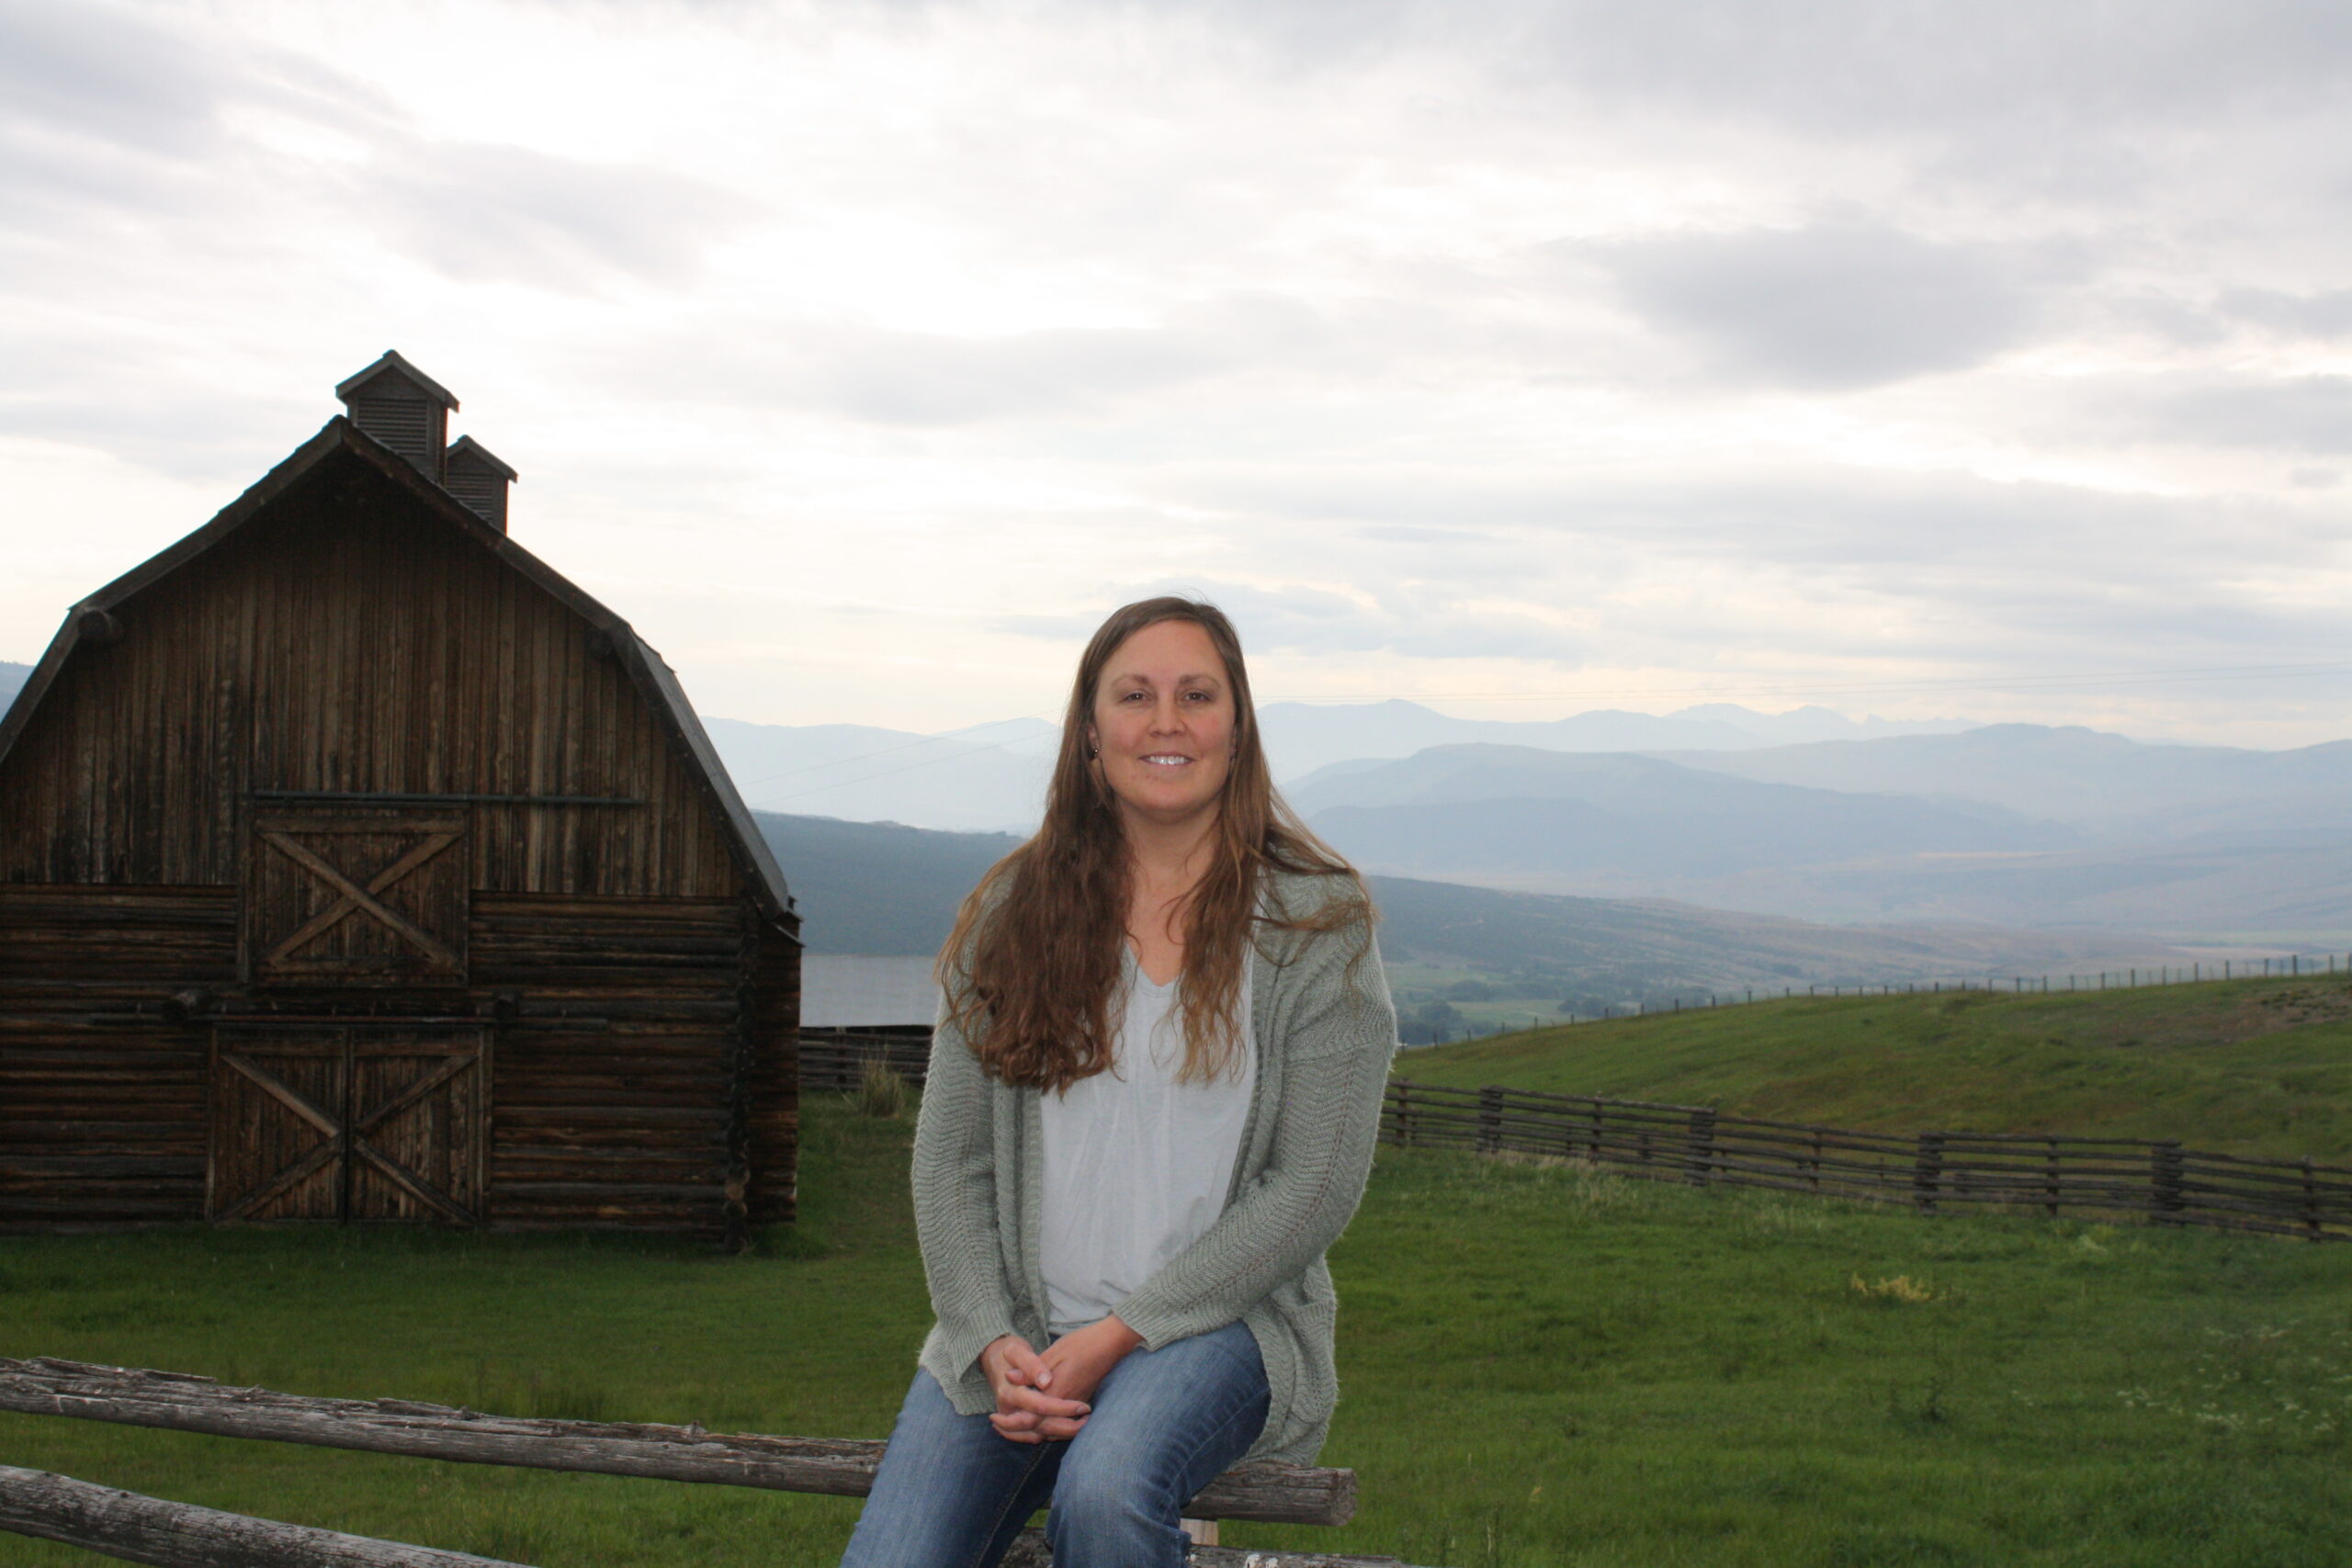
<point>1164,724</point>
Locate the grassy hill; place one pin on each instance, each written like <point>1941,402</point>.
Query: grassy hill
<point>1544,1368</point>
<point>2246,1067</point>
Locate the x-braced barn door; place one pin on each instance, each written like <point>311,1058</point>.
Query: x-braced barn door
<point>355,896</point>
<point>349,1123</point>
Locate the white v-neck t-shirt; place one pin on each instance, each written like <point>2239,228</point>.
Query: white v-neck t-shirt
<point>1137,1165</point>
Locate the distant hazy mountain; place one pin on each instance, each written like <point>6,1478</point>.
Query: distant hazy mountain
<point>2211,891</point>
<point>2206,843</point>
<point>877,888</point>
<point>2013,825</point>
<point>12,680</point>
<point>881,889</point>
<point>1635,948</point>
<point>1511,812</point>
<point>990,776</point>
<point>2110,787</point>
<point>994,776</point>
<point>1302,738</point>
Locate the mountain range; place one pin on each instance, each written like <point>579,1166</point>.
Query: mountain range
<point>2113,789</point>
<point>992,776</point>
<point>2009,825</point>
<point>1806,814</point>
<point>883,890</point>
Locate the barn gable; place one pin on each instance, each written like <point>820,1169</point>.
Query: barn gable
<point>340,454</point>
<point>354,863</point>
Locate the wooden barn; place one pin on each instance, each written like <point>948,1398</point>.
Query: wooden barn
<point>356,866</point>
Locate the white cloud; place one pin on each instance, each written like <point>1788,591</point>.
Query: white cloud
<point>1493,346</point>
<point>1832,306</point>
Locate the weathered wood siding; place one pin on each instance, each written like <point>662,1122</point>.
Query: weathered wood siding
<point>611,1090</point>
<point>103,1120</point>
<point>340,641</point>
<point>614,1102</point>
<point>633,996</point>
<point>773,1097</point>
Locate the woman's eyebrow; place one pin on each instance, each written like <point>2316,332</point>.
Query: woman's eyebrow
<point>1190,678</point>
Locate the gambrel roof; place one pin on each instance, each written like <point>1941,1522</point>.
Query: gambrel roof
<point>91,620</point>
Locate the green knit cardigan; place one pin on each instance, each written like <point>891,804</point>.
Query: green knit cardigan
<point>1325,1030</point>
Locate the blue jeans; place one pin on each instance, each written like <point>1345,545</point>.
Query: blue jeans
<point>951,1493</point>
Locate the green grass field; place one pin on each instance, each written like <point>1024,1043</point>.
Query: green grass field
<point>2245,1066</point>
<point>1542,1364</point>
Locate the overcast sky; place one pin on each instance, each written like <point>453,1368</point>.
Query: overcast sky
<point>1983,359</point>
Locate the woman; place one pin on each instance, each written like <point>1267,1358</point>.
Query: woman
<point>1154,1093</point>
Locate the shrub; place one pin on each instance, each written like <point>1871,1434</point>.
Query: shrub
<point>881,1092</point>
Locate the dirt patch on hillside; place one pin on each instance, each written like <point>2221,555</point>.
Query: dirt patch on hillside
<point>2291,1008</point>
<point>2247,1016</point>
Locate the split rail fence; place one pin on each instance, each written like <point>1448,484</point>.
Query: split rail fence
<point>2159,1179</point>
<point>2291,965</point>
<point>178,1535</point>
<point>833,1060</point>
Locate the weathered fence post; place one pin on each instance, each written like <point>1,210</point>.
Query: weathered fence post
<point>1702,1146</point>
<point>2311,1202</point>
<point>2052,1183</point>
<point>1404,1115</point>
<point>2164,1174</point>
<point>1815,1162</point>
<point>1928,1171</point>
<point>1490,1119</point>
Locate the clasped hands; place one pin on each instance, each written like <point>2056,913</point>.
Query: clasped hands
<point>1043,1395</point>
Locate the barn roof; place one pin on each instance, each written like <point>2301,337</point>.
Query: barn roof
<point>91,620</point>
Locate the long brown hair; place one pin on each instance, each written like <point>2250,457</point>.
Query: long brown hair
<point>1033,963</point>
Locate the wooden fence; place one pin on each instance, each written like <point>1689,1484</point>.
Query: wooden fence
<point>177,1535</point>
<point>833,1060</point>
<point>2156,1179</point>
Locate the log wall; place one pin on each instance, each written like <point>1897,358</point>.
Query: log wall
<point>102,1099</point>
<point>614,1095</point>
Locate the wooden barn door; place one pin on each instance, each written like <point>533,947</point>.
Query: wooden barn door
<point>281,1102</point>
<point>349,1123</point>
<point>420,1114</point>
<point>355,896</point>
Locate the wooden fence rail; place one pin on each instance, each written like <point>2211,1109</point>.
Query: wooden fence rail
<point>180,1535</point>
<point>1284,1493</point>
<point>833,1060</point>
<point>139,1529</point>
<point>177,1535</point>
<point>1695,1144</point>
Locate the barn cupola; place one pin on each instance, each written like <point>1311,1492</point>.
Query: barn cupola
<point>404,407</point>
<point>473,474</point>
